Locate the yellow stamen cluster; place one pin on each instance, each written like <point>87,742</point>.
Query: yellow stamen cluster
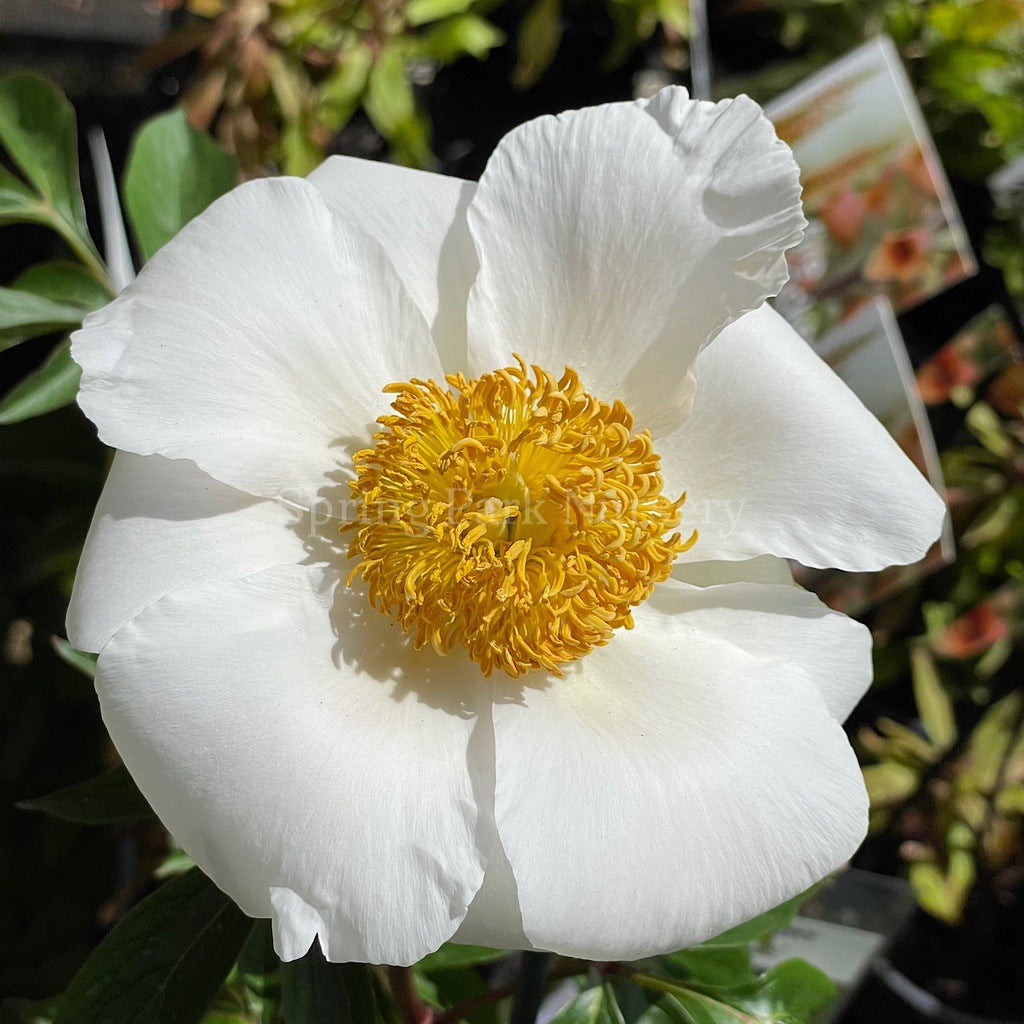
<point>513,514</point>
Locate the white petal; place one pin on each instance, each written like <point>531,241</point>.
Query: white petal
<point>781,622</point>
<point>780,457</point>
<point>255,343</point>
<point>494,918</point>
<point>420,220</point>
<point>315,767</point>
<point>671,787</point>
<point>618,239</point>
<point>161,525</point>
<point>763,569</point>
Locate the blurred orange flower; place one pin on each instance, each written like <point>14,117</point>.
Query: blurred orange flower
<point>900,256</point>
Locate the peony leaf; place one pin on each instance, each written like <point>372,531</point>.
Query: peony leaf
<point>788,994</point>
<point>595,1006</point>
<point>164,963</point>
<point>451,955</point>
<point>63,281</point>
<point>173,173</point>
<point>81,660</point>
<point>756,928</point>
<point>315,991</point>
<point>109,799</point>
<point>37,128</point>
<point>710,965</point>
<point>52,386</point>
<point>24,315</point>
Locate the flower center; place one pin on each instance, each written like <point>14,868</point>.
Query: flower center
<point>514,514</point>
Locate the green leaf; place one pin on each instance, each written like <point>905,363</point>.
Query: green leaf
<point>342,90</point>
<point>595,1006</point>
<point>710,965</point>
<point>173,173</point>
<point>933,703</point>
<point>419,12</point>
<point>539,36</point>
<point>109,799</point>
<point>788,994</point>
<point>63,281</point>
<point>758,927</point>
<point>47,297</point>
<point>452,955</point>
<point>17,201</point>
<point>890,783</point>
<point>52,386</point>
<point>313,990</point>
<point>37,128</point>
<point>84,662</point>
<point>164,963</point>
<point>390,105</point>
<point>24,315</point>
<point>458,36</point>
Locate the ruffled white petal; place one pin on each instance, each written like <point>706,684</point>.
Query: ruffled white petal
<point>669,788</point>
<point>780,622</point>
<point>619,239</point>
<point>162,525</point>
<point>780,457</point>
<point>315,767</point>
<point>255,343</point>
<point>420,221</point>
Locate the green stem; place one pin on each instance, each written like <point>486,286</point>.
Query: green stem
<point>85,253</point>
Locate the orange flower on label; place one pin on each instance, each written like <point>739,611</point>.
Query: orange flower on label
<point>900,257</point>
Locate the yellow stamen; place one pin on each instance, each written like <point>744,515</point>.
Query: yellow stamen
<point>516,516</point>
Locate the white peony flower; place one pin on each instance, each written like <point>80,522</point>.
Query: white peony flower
<point>631,741</point>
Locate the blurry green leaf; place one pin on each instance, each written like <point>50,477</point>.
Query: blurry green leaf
<point>890,783</point>
<point>173,173</point>
<point>313,990</point>
<point>419,12</point>
<point>52,386</point>
<point>177,862</point>
<point>451,955</point>
<point>764,924</point>
<point>299,152</point>
<point>163,963</point>
<point>455,37</point>
<point>37,128</point>
<point>933,703</point>
<point>944,894</point>
<point>675,14</point>
<point>595,1006</point>
<point>539,36</point>
<point>1011,800</point>
<point>977,22</point>
<point>109,799</point>
<point>390,105</point>
<point>85,663</point>
<point>342,91</point>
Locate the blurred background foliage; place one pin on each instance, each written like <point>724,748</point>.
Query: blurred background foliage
<point>275,85</point>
